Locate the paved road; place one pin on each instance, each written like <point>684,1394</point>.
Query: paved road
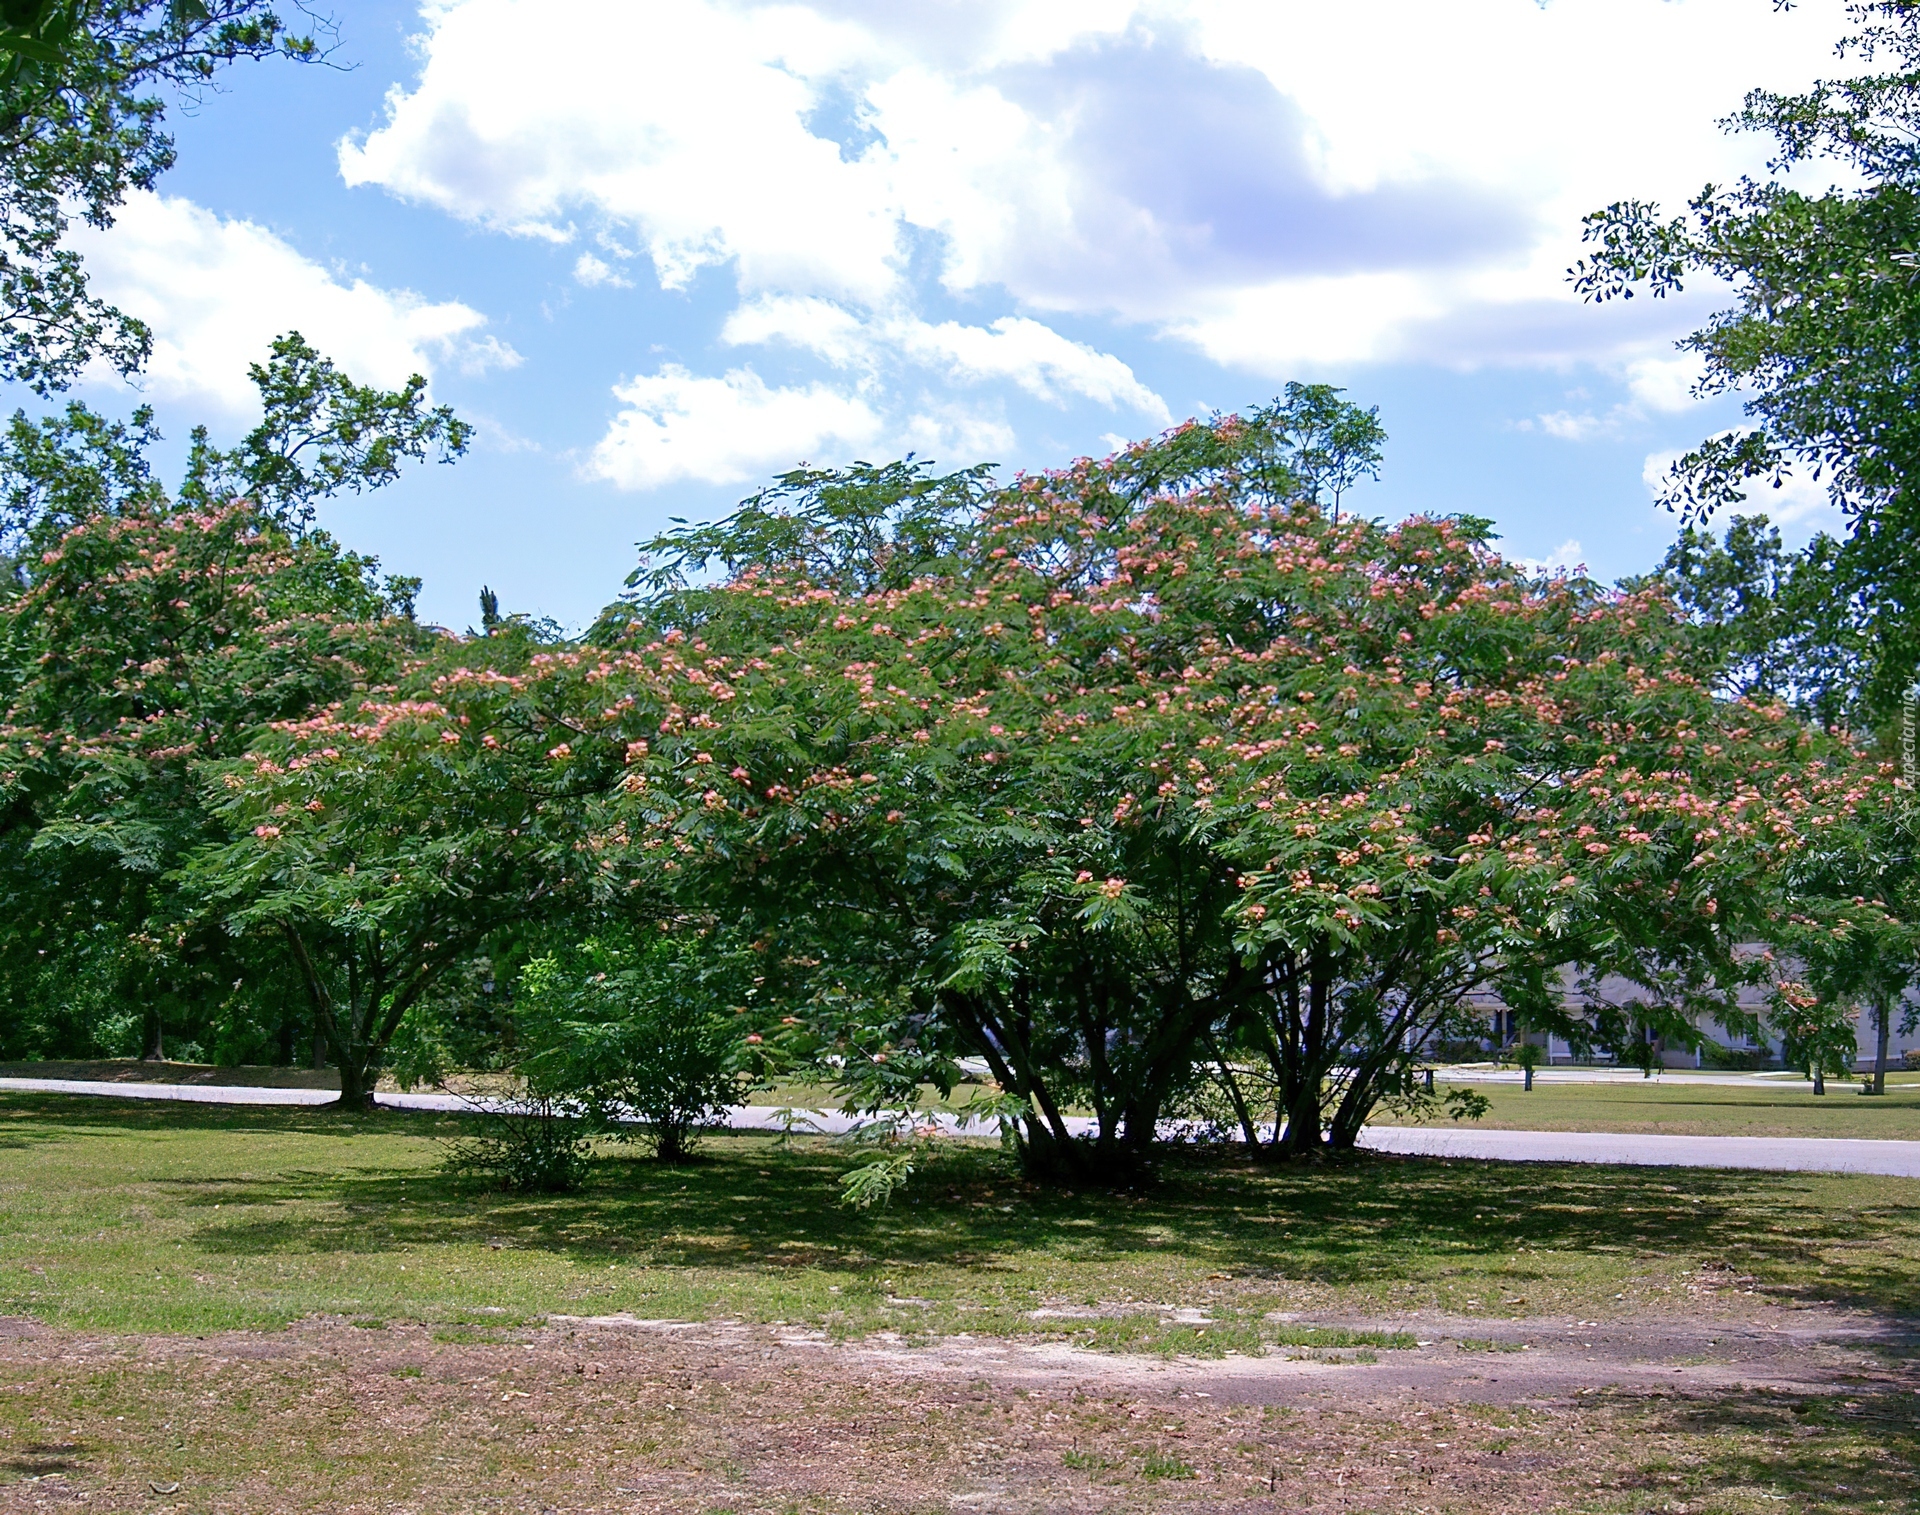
<point>1793,1154</point>
<point>1798,1154</point>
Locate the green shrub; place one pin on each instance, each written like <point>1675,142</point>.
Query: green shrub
<point>529,1146</point>
<point>640,1035</point>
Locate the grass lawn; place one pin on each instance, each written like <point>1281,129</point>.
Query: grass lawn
<point>137,1218</point>
<point>1687,1109</point>
<point>416,1376</point>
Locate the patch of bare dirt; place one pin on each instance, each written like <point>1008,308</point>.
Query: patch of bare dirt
<point>667,1418</point>
<point>1457,1358</point>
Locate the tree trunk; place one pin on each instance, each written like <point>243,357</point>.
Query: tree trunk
<point>1247,1127</point>
<point>359,1072</point>
<point>1819,1078</point>
<point>1882,1015</point>
<point>153,1039</point>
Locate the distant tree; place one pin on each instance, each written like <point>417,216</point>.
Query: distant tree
<point>1824,331</point>
<point>1851,929</point>
<point>1771,623</point>
<point>646,1030</point>
<point>81,125</point>
<point>1333,443</point>
<point>322,434</point>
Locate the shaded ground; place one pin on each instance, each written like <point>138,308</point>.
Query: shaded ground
<point>126,1070</point>
<point>708,1419</point>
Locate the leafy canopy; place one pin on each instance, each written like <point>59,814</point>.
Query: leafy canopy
<point>1147,766</point>
<point>1824,328</point>
<point>81,125</point>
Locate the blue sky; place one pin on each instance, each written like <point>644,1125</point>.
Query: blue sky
<point>658,251</point>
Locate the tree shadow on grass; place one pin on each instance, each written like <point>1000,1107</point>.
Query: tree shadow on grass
<point>1854,1450</point>
<point>47,1118</point>
<point>41,1459</point>
<point>756,1204</point>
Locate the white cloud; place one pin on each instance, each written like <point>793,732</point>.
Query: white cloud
<point>1282,185</point>
<point>593,272</point>
<point>1658,385</point>
<point>1664,384</point>
<point>1036,358</point>
<point>685,121</point>
<point>819,326</point>
<point>216,292</point>
<point>1568,427</point>
<point>1242,174</point>
<point>1016,349</point>
<point>1569,555</point>
<point>677,425</point>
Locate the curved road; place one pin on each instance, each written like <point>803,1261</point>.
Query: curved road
<point>1789,1154</point>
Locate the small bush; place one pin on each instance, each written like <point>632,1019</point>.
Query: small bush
<point>1911,1057</point>
<point>1735,1059</point>
<point>641,1034</point>
<point>529,1146</point>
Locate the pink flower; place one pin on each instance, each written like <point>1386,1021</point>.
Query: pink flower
<point>451,738</point>
<point>562,751</point>
<point>266,833</point>
<point>1082,876</point>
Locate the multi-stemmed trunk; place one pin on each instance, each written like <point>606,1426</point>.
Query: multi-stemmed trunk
<point>358,1024</point>
<point>1128,1095</point>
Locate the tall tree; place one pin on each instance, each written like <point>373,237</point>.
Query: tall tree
<point>142,635</point>
<point>1333,443</point>
<point>82,111</point>
<point>1823,334</point>
<point>382,840</point>
<point>1161,758</point>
